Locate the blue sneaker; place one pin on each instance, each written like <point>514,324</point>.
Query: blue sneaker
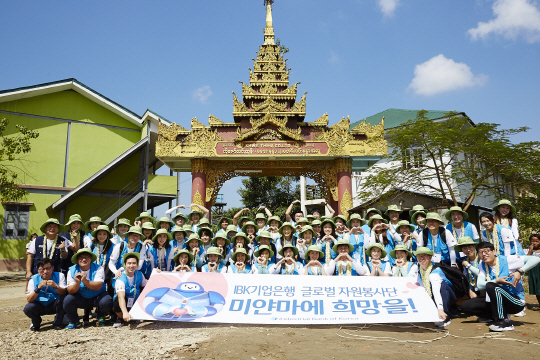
<point>101,321</point>
<point>73,326</point>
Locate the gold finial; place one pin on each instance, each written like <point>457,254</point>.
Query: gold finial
<point>269,30</point>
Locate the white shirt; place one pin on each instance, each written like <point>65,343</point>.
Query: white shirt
<point>32,286</point>
<point>120,286</point>
<point>331,267</point>
<point>99,276</point>
<point>116,254</point>
<point>507,238</point>
<point>32,247</point>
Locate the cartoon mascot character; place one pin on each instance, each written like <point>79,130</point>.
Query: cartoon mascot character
<point>187,302</point>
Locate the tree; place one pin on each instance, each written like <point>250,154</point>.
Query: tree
<point>276,193</point>
<point>453,160</point>
<point>11,148</point>
<point>528,208</point>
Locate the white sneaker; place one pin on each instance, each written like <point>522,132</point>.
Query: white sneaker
<point>443,323</point>
<point>521,313</point>
<point>118,324</point>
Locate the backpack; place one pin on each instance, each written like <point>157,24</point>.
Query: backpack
<point>456,277</point>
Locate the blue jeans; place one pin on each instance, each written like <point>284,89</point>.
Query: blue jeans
<point>72,302</point>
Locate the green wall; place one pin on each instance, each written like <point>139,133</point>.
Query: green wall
<point>162,184</point>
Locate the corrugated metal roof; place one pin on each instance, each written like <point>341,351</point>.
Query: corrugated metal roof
<point>396,117</point>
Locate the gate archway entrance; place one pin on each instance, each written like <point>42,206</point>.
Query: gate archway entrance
<point>269,137</point>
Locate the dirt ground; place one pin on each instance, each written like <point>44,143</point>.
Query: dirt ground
<point>219,341</point>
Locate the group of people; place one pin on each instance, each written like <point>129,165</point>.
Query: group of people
<point>86,265</point>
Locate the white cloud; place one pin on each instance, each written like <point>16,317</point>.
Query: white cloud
<point>512,19</point>
<point>334,58</point>
<point>388,7</point>
<point>202,94</point>
<point>439,74</point>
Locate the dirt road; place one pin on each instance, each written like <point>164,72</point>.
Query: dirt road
<point>204,341</point>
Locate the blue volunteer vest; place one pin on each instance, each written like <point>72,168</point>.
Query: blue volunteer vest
<point>247,269</point>
<point>401,271</point>
<point>83,290</point>
<point>440,248</point>
<point>295,272</point>
<point>132,291</point>
<point>518,291</point>
<point>102,260</point>
<point>180,245</point>
<point>47,294</point>
<point>119,262</point>
<point>468,230</point>
<point>384,264</point>
<point>439,272</point>
<point>155,255</point>
<point>56,259</point>
<point>501,242</point>
<point>344,269</point>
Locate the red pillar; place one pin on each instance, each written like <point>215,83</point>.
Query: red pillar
<point>344,182</point>
<point>198,182</point>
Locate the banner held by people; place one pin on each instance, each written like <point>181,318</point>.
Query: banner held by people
<point>256,299</point>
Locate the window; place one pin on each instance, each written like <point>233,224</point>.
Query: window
<point>16,222</point>
<point>412,158</point>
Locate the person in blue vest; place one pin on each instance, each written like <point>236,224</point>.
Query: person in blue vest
<point>183,261</point>
<point>344,264</point>
<point>380,233</point>
<point>312,264</point>
<point>143,218</point>
<point>437,285</point>
<point>148,230</point>
<point>375,265</point>
<point>470,265</point>
<point>327,240</point>
<point>120,229</point>
<point>206,235</point>
<point>240,262</point>
<point>393,212</point>
<point>502,239</point>
<point>164,223</point>
<point>287,265</point>
<point>458,226</point>
<point>262,262</point>
<point>305,239</point>
<point>90,226</point>
<point>501,277</point>
<point>222,243</point>
<point>505,215</point>
<point>240,241</point>
<point>437,238</point>
<point>160,254</point>
<point>214,264</point>
<point>180,219</point>
<point>45,295</point>
<point>194,246</point>
<point>133,244</point>
<point>403,267</point>
<point>415,209</point>
<point>260,220</point>
<point>370,212</point>
<point>406,235</point>
<point>417,219</point>
<point>127,289</point>
<point>102,247</point>
<point>250,229</point>
<point>357,237</point>
<point>49,246</point>
<point>74,232</point>
<point>223,224</point>
<point>86,289</point>
<point>196,215</point>
<point>179,237</point>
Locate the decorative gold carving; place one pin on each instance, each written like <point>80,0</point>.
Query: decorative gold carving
<point>214,121</point>
<point>270,105</point>
<point>291,90</point>
<point>197,199</point>
<point>199,166</point>
<point>247,90</point>
<point>346,203</point>
<point>322,121</point>
<point>369,130</point>
<point>170,132</point>
<point>257,128</point>
<point>337,137</point>
<point>195,124</point>
<point>324,172</point>
<point>301,106</point>
<point>202,142</point>
<point>237,105</point>
<point>344,165</point>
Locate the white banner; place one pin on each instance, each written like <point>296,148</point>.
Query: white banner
<point>283,299</point>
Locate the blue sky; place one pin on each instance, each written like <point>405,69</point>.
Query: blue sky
<point>182,59</point>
